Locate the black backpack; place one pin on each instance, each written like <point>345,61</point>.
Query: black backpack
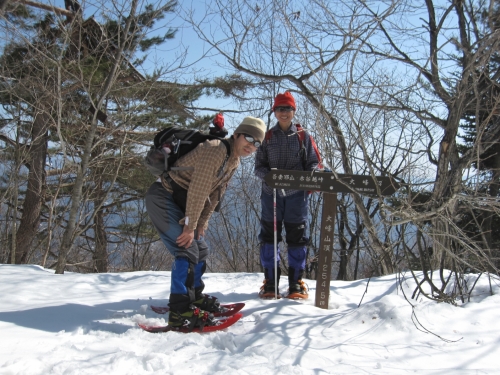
<point>172,143</point>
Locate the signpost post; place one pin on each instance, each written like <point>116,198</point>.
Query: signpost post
<point>330,184</point>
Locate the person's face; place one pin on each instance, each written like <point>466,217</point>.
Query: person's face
<point>245,145</point>
<point>284,115</point>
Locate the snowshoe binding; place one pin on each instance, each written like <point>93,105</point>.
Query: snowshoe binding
<point>190,319</point>
<point>267,291</point>
<point>298,290</point>
<point>208,303</point>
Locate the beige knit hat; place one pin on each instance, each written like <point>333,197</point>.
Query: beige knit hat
<point>252,126</point>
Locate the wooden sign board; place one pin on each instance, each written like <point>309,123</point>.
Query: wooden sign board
<point>330,183</point>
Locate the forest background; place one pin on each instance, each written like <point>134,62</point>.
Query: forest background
<point>402,89</point>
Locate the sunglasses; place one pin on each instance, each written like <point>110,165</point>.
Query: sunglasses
<point>284,109</point>
<point>252,140</point>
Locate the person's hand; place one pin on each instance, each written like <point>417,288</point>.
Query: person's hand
<point>186,237</point>
<point>201,232</point>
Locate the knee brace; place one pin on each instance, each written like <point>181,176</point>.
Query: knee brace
<point>296,234</point>
<point>267,231</point>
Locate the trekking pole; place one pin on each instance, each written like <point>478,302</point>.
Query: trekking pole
<point>275,247</point>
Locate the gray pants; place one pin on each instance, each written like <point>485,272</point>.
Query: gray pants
<point>190,263</point>
<point>165,215</point>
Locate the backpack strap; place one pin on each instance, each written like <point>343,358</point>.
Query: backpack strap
<point>315,148</point>
<point>228,147</point>
<point>269,134</point>
<point>228,154</point>
<point>301,136</point>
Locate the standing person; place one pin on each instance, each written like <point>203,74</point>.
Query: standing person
<point>284,149</point>
<point>203,176</point>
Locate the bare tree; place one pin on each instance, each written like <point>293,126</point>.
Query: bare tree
<point>392,81</point>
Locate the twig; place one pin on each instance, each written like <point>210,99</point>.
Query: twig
<point>421,328</point>
<point>473,285</point>
<point>419,325</point>
<point>363,296</point>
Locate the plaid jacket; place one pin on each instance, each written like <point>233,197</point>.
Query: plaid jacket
<point>204,186</point>
<point>281,151</point>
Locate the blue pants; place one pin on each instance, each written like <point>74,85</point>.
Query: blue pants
<point>190,263</point>
<point>292,211</point>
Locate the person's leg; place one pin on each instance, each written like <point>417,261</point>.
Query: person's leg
<point>181,289</point>
<point>296,210</point>
<point>267,261</point>
<point>165,215</point>
<point>201,266</point>
<point>266,238</point>
<point>296,267</point>
<point>185,308</point>
<point>203,301</point>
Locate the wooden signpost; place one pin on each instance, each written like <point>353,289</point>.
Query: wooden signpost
<point>330,184</point>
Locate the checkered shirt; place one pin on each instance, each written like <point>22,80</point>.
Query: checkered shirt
<point>281,151</point>
<point>204,186</point>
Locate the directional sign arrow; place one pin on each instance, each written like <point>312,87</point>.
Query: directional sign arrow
<point>328,182</point>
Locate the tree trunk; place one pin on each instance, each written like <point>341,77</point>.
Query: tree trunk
<point>344,259</point>
<point>447,184</point>
<point>32,205</point>
<point>100,257</point>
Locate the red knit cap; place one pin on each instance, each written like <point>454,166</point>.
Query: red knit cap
<point>284,100</point>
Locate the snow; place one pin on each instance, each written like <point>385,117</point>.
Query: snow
<point>87,324</point>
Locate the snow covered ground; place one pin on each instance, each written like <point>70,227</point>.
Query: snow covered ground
<point>86,324</point>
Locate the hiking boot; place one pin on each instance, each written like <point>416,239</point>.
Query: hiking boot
<point>298,290</point>
<point>267,290</point>
<point>207,303</point>
<point>192,318</point>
